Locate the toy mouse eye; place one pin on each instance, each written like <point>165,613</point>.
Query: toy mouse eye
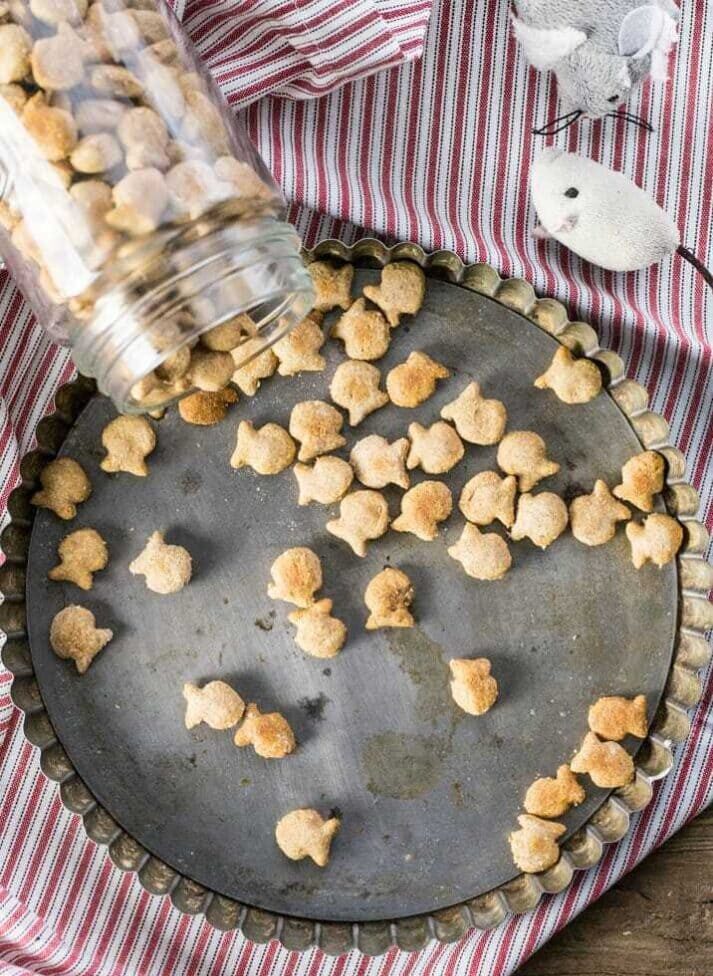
<point>572,192</point>
<point>613,98</point>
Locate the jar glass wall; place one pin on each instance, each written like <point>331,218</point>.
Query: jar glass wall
<point>135,214</point>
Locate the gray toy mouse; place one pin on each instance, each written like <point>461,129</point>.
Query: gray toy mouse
<point>599,50</point>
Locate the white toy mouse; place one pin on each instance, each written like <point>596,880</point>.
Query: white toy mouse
<point>602,215</point>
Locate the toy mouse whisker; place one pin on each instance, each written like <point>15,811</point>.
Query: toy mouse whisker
<point>559,124</point>
<point>634,119</point>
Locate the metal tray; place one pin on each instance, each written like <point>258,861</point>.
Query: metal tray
<point>428,795</point>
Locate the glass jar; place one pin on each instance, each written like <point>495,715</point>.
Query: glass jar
<point>135,214</point>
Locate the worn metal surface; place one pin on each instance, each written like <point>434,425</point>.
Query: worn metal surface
<point>428,795</point>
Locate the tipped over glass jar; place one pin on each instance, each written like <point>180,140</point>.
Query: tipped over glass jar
<point>135,215</point>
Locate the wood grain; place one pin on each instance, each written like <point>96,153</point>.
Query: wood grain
<point>657,921</point>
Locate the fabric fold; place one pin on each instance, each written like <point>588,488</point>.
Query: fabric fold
<point>303,48</point>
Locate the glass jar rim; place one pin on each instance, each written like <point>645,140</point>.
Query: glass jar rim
<point>132,330</point>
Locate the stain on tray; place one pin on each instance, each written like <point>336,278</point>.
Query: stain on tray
<point>457,795</point>
<point>314,707</point>
<point>422,660</point>
<point>573,490</point>
<point>399,766</point>
<point>191,482</point>
<point>299,889</point>
<point>266,623</point>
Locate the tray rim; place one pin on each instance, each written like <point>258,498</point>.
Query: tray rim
<point>584,849</point>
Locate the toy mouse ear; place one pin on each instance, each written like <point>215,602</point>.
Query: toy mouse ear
<point>644,30</point>
<point>544,47</point>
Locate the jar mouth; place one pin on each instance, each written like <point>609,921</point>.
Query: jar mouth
<point>199,277</point>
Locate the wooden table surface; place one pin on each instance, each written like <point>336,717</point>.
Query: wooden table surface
<point>658,921</point>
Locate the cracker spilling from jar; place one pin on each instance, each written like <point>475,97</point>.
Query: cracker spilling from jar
<point>125,139</point>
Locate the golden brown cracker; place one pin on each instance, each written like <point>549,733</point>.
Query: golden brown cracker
<point>411,383</point>
<point>541,518</point>
<point>365,333</point>
<point>166,568</point>
<point>326,481</point>
<point>473,687</point>
<point>228,335</point>
<point>298,351</point>
<point>423,507</point>
<point>215,703</point>
<point>305,833</point>
<point>487,496</point>
<point>269,733</point>
<point>363,517</point>
<point>523,453</point>
<point>319,634</point>
<point>296,576</point>
<point>210,371</point>
<point>642,477</point>
<point>388,596</point>
<point>572,380</point>
<point>483,555</point>
<point>206,409</point>
<point>477,419</point>
<point>376,463</point>
<point>435,449</point>
<point>332,285</point>
<point>401,291</point>
<point>128,441</point>
<point>267,450</point>
<point>608,764</point>
<point>74,635</point>
<point>355,387</point>
<point>655,540</point>
<point>594,517</point>
<point>261,365</point>
<point>64,486</point>
<point>614,717</point>
<point>316,425</point>
<point>81,554</point>
<point>552,797</point>
<point>534,846</point>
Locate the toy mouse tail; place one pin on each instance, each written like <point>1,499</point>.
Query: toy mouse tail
<point>700,267</point>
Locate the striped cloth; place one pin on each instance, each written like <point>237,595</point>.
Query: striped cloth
<point>436,150</point>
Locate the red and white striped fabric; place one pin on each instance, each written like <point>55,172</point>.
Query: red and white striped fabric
<point>436,151</point>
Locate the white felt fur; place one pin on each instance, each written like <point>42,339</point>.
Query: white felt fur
<point>648,30</point>
<point>544,47</point>
<point>612,222</point>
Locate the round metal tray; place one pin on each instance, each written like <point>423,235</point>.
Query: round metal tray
<point>428,795</point>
